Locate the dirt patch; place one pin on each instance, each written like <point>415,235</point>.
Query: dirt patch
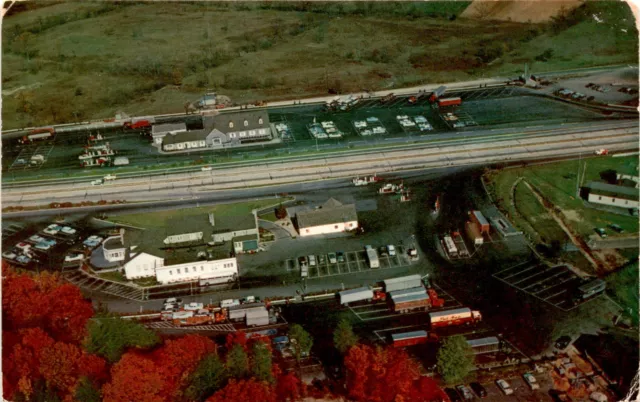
<point>518,11</point>
<point>612,259</point>
<point>572,215</point>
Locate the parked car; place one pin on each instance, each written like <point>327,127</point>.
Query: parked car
<point>464,392</point>
<point>96,182</point>
<point>392,250</point>
<point>249,299</point>
<point>332,258</point>
<point>173,300</point>
<point>322,259</point>
<point>562,342</point>
<point>453,395</point>
<point>73,257</point>
<point>229,303</point>
<point>340,256</point>
<point>504,387</point>
<point>531,381</point>
<point>207,168</point>
<point>193,306</point>
<point>312,260</point>
<point>9,255</point>
<point>302,261</point>
<point>382,251</point>
<point>601,232</point>
<point>478,389</point>
<point>616,228</point>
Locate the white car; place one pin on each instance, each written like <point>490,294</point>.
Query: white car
<point>531,381</point>
<point>229,303</point>
<point>312,260</point>
<point>36,239</point>
<point>392,250</point>
<point>110,177</point>
<point>193,306</point>
<point>504,387</point>
<point>50,231</point>
<point>43,246</point>
<point>207,168</point>
<point>9,255</point>
<point>96,182</point>
<point>68,230</point>
<point>23,246</point>
<point>73,257</point>
<point>173,300</point>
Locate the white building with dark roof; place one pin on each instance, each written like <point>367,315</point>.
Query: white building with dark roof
<point>612,195</point>
<point>220,130</point>
<point>331,217</point>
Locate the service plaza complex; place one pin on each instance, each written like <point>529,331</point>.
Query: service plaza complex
<point>423,240</point>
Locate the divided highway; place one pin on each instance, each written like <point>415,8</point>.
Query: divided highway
<point>550,142</point>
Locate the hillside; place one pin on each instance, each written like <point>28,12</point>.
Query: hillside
<point>519,11</point>
<point>75,61</point>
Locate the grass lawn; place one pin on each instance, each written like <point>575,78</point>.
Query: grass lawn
<point>623,287</point>
<point>157,219</point>
<point>115,276</point>
<point>545,228</point>
<point>270,216</point>
<point>75,61</point>
<point>557,182</point>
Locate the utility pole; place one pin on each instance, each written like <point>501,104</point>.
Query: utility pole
<point>578,176</point>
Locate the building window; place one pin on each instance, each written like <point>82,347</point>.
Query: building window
<point>335,227</point>
<point>170,272</point>
<point>262,131</point>
<point>230,124</point>
<point>178,271</point>
<point>201,268</point>
<point>186,270</point>
<point>613,200</point>
<point>599,198</point>
<point>307,231</point>
<point>260,120</point>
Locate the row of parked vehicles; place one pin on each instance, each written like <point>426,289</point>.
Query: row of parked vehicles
<point>250,310</point>
<point>464,393</point>
<point>339,257</point>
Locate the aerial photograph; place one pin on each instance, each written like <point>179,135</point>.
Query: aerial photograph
<point>340,201</point>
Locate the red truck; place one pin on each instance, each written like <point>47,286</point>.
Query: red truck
<point>435,300</point>
<point>449,102</point>
<point>38,134</point>
<point>409,303</point>
<point>457,316</point>
<point>405,339</point>
<point>137,125</point>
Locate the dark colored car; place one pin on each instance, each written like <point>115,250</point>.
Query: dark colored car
<point>453,395</point>
<point>616,228</point>
<point>478,389</point>
<point>340,256</point>
<point>562,342</point>
<point>601,232</point>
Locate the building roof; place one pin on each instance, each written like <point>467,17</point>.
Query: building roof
<point>409,335</point>
<point>330,212</point>
<point>113,243</point>
<point>415,277</point>
<point>165,128</point>
<point>611,190</point>
<point>481,219</point>
<point>185,136</point>
<point>221,121</point>
<point>491,340</point>
<point>355,291</point>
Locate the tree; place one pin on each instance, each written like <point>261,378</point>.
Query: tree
<point>381,374</point>
<point>68,313</point>
<point>87,391</point>
<point>288,388</point>
<point>237,338</point>
<point>59,366</point>
<point>237,362</point>
<point>207,378</point>
<point>134,378</point>
<point>343,336</point>
<point>109,337</point>
<point>281,212</point>
<point>244,391</point>
<point>261,362</point>
<point>454,359</point>
<point>426,389</point>
<point>301,341</point>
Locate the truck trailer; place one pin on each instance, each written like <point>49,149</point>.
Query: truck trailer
<point>403,282</point>
<point>372,256</point>
<point>449,102</point>
<point>489,344</point>
<point>407,292</point>
<point>457,316</point>
<point>42,134</point>
<point>257,316</point>
<point>239,313</point>
<point>478,218</point>
<point>410,303</point>
<point>405,339</point>
<point>354,295</point>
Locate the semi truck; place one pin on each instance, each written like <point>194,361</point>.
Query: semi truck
<point>360,294</point>
<point>403,282</point>
<point>257,316</point>
<point>239,313</point>
<point>489,344</point>
<point>372,256</point>
<point>454,317</point>
<point>437,93</point>
<point>405,304</point>
<point>120,161</point>
<point>405,339</point>
<point>449,102</point>
<point>39,134</point>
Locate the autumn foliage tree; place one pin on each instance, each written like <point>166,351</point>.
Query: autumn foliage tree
<point>250,390</point>
<point>381,375</point>
<point>134,378</point>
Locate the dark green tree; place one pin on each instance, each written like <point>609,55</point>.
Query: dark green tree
<point>209,376</point>
<point>455,359</point>
<point>87,391</point>
<point>343,336</point>
<point>237,362</point>
<point>261,362</point>
<point>110,336</point>
<point>301,341</point>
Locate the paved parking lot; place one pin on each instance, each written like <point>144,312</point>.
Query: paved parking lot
<point>355,261</point>
<point>22,161</point>
<point>554,285</point>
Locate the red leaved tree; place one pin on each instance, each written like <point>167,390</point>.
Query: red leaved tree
<point>237,338</point>
<point>244,391</point>
<point>426,389</point>
<point>134,378</point>
<point>21,364</point>
<point>288,388</point>
<point>379,375</point>
<point>178,358</point>
<point>59,367</point>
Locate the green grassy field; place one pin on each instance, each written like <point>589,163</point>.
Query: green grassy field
<point>624,288</point>
<point>75,61</point>
<point>557,182</point>
<point>156,220</point>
